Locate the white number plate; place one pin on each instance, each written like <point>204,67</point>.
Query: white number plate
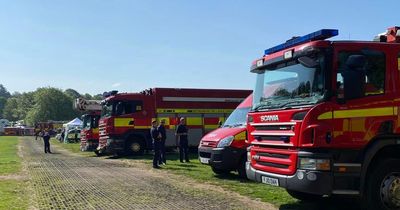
<point>205,160</point>
<point>270,181</point>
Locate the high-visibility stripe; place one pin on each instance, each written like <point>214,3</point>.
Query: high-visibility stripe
<point>209,127</point>
<point>194,121</point>
<point>199,111</point>
<point>372,112</point>
<point>202,99</point>
<point>95,130</point>
<point>123,122</point>
<point>240,136</point>
<point>398,64</point>
<point>325,116</point>
<point>142,127</point>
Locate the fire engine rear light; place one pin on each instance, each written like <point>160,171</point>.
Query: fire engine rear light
<point>315,164</point>
<point>318,35</point>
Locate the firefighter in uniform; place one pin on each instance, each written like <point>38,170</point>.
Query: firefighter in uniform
<point>46,140</point>
<point>163,133</point>
<point>156,137</point>
<point>182,133</point>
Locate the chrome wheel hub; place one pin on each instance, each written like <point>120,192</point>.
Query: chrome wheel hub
<point>135,147</point>
<point>390,191</point>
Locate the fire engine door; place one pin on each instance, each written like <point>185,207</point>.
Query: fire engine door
<point>362,107</point>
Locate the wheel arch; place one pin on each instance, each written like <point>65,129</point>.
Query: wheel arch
<point>378,148</point>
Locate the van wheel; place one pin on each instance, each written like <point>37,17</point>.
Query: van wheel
<point>220,171</point>
<point>383,187</point>
<point>135,147</point>
<point>242,168</point>
<point>304,196</point>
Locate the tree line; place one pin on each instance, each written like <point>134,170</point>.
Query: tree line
<point>43,104</point>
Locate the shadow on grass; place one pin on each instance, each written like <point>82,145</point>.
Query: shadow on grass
<point>331,203</point>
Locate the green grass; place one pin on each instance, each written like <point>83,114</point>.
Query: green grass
<point>13,194</point>
<point>10,162</point>
<point>72,147</point>
<point>266,193</point>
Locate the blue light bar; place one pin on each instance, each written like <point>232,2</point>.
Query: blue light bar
<point>318,35</point>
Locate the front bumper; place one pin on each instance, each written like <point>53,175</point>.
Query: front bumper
<point>313,182</point>
<point>111,146</point>
<point>226,158</point>
<point>90,145</point>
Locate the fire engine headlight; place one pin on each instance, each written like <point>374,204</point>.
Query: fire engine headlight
<point>225,142</point>
<point>315,164</point>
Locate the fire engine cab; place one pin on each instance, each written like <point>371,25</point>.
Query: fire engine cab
<point>325,118</point>
<point>90,129</point>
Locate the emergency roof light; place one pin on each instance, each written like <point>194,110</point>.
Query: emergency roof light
<point>318,35</point>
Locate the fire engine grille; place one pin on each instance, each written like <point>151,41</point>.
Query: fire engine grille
<point>276,160</point>
<point>273,127</point>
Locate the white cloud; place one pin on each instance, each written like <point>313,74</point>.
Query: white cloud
<point>116,84</point>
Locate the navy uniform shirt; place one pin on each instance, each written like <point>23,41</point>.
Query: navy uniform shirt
<point>161,129</point>
<point>182,129</point>
<point>154,133</point>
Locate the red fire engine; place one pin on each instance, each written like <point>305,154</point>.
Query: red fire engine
<point>90,128</point>
<point>126,117</point>
<point>326,120</point>
<point>224,149</point>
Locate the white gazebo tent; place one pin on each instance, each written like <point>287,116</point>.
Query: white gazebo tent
<point>73,124</point>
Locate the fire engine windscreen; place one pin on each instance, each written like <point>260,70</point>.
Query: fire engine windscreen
<point>117,108</point>
<point>290,84</point>
<point>90,121</point>
<point>237,118</point>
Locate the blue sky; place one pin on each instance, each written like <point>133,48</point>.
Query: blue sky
<point>94,46</point>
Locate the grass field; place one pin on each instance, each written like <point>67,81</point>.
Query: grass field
<point>9,160</point>
<point>13,192</point>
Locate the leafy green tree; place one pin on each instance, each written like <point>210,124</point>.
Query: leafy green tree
<point>10,110</point>
<point>18,106</point>
<point>73,94</point>
<point>3,102</point>
<point>51,104</point>
<point>4,92</point>
<point>97,97</point>
<point>87,96</point>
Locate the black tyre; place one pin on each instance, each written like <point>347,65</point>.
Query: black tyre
<point>383,186</point>
<point>304,196</point>
<point>135,147</point>
<point>98,154</point>
<point>220,171</point>
<point>242,168</point>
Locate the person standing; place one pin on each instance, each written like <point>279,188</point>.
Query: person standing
<point>156,137</point>
<point>182,133</point>
<point>163,133</point>
<point>46,140</point>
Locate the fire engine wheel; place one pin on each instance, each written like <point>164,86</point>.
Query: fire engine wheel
<point>303,196</point>
<point>135,147</point>
<point>383,190</point>
<point>98,154</point>
<point>220,171</point>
